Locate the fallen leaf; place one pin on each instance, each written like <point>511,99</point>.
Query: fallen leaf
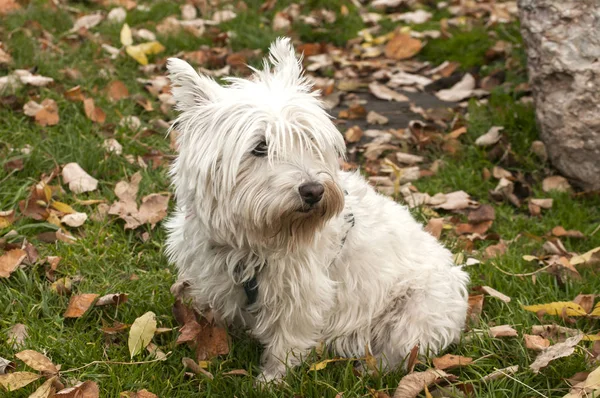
<point>79,304</point>
<point>156,352</point>
<point>499,373</point>
<point>353,134</point>
<point>558,308</point>
<point>479,228</point>
<point>587,388</point>
<point>495,250</point>
<point>237,372</point>
<point>10,260</point>
<point>596,311</point>
<point>45,114</point>
<point>74,220</point>
<point>503,331</point>
<point>46,390</point>
<point>559,231</point>
<point>125,36</point>
<point>141,332</point>
<point>543,203</point>
<point>141,51</point>
<point>79,181</point>
<point>87,389</point>
<point>37,361</point>
<point>586,301</point>
<point>111,145</point>
<point>584,258</point>
<point>189,332</point>
<point>8,6</point>
<point>402,46</point>
<point>494,293</point>
<point>556,351</point>
<point>323,364</point>
<point>376,118</point>
<point>450,361</point>
<point>490,138</point>
<point>435,226</point>
<point>458,200</point>
<point>16,380</point>
<point>412,384</point>
<point>16,335</point>
<point>6,366</point>
<point>556,183</point>
<point>460,91</point>
<point>536,343</point>
<point>94,113</point>
<point>481,214</point>
<point>112,299</point>
<point>385,93</point>
<point>117,90</point>
<point>475,307</point>
<point>153,209</point>
<point>74,94</point>
<point>87,22</point>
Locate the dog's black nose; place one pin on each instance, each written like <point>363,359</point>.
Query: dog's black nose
<point>311,192</point>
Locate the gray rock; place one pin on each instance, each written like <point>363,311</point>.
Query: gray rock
<point>563,51</point>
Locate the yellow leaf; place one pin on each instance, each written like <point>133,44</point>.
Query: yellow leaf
<point>323,364</point>
<point>126,38</point>
<point>47,192</point>
<point>14,381</point>
<point>140,51</point>
<point>37,361</point>
<point>591,337</point>
<point>141,332</point>
<point>587,387</point>
<point>427,393</point>
<point>62,207</point>
<point>584,258</point>
<point>570,308</point>
<point>596,311</point>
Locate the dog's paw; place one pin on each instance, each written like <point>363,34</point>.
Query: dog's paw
<point>268,378</point>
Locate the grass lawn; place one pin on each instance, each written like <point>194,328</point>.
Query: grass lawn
<point>106,258</point>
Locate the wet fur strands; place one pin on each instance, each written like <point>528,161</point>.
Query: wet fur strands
<point>262,202</point>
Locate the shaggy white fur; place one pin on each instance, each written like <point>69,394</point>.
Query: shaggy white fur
<point>261,198</point>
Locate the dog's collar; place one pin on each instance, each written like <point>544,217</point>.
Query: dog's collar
<point>251,286</point>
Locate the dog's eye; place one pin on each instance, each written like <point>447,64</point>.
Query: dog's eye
<point>260,150</point>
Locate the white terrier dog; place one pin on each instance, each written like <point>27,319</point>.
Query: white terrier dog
<point>270,232</point>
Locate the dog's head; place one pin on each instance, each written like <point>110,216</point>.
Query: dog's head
<point>258,158</point>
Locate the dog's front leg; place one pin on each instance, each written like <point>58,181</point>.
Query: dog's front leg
<point>291,319</point>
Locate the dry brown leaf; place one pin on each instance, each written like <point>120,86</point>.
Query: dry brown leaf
<point>554,332</point>
<point>353,134</point>
<point>189,332</point>
<point>585,257</point>
<point>496,250</point>
<point>457,200</point>
<point>16,380</point>
<point>74,220</point>
<point>87,22</point>
<point>79,304</point>
<point>503,331</point>
<point>153,209</point>
<point>10,260</point>
<point>543,203</point>
<point>586,388</point>
<point>500,373</point>
<point>556,183</point>
<point>559,231</point>
<point>6,366</point>
<point>117,90</point>
<point>8,6</point>
<point>460,91</point>
<point>74,94</point>
<point>37,361</point>
<point>46,390</point>
<point>376,118</point>
<point>94,113</point>
<point>482,213</point>
<point>112,299</point>
<point>402,46</point>
<point>79,181</point>
<point>237,372</point>
<point>558,350</point>
<point>412,384</point>
<point>536,343</point>
<point>16,335</point>
<point>140,394</point>
<point>87,389</point>
<point>490,138</point>
<point>494,293</point>
<point>450,361</point>
<point>156,352</point>
<point>435,226</point>
<point>586,301</point>
<point>385,93</point>
<point>475,307</point>
<point>473,228</point>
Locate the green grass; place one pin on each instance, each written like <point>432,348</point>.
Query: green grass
<point>105,256</point>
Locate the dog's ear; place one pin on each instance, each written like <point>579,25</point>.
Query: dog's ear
<point>188,87</point>
<point>283,57</point>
